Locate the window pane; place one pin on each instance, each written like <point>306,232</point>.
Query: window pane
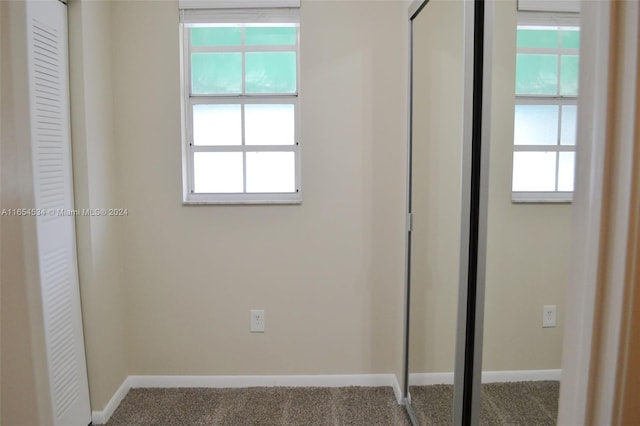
<point>269,124</point>
<point>270,36</point>
<point>271,172</point>
<point>569,75</point>
<point>217,125</point>
<point>536,125</point>
<point>571,39</point>
<point>217,172</point>
<point>536,74</point>
<point>538,38</point>
<point>216,36</point>
<point>271,72</point>
<point>566,168</point>
<point>216,73</point>
<point>534,171</point>
<point>568,129</point>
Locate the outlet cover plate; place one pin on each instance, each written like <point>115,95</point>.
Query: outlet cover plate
<point>257,321</point>
<point>549,316</point>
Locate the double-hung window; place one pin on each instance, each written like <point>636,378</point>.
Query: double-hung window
<point>240,72</point>
<point>545,111</point>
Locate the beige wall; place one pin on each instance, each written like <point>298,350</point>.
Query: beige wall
<point>167,289</point>
<point>528,244</point>
<point>96,185</point>
<point>437,136</point>
<point>328,272</point>
<point>24,382</point>
<point>24,386</point>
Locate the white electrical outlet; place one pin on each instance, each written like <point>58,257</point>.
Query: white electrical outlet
<point>549,316</point>
<point>257,320</point>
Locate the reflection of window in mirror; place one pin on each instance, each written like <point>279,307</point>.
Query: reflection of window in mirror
<point>545,110</point>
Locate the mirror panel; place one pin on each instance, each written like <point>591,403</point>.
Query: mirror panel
<point>437,125</point>
<point>528,244</point>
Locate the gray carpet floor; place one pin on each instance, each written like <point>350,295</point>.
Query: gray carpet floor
<point>260,406</point>
<point>518,403</point>
<point>514,403</point>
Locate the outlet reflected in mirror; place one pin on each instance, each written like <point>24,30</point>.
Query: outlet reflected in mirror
<point>533,75</point>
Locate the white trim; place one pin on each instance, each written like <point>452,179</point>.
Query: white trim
<point>189,196</point>
<point>319,380</point>
<point>327,380</point>
<point>102,417</point>
<point>549,5</point>
<point>548,18</point>
<point>427,379</point>
<point>236,4</point>
<point>294,198</point>
<point>520,376</point>
<point>558,197</point>
<point>331,380</point>
<point>559,101</point>
<point>397,390</point>
<point>233,16</point>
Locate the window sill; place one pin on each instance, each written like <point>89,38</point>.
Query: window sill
<point>242,199</point>
<point>542,197</point>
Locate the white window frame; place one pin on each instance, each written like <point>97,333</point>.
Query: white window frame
<point>193,18</point>
<point>548,20</point>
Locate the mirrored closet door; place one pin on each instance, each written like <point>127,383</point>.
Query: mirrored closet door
<point>444,210</point>
<point>534,73</point>
<point>491,166</point>
<point>437,115</point>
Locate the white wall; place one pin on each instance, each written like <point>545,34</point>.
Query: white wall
<point>329,273</point>
<point>96,185</point>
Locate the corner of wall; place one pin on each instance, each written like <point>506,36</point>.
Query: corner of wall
<point>96,186</point>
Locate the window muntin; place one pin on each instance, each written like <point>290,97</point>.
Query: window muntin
<point>241,112</point>
<point>546,90</point>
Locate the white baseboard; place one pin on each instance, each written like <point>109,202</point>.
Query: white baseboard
<point>332,380</point>
<point>102,417</point>
<point>520,376</point>
<point>426,379</point>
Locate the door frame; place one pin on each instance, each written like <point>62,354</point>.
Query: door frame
<point>594,345</point>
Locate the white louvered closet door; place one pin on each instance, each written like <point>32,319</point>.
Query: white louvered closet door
<point>53,190</point>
